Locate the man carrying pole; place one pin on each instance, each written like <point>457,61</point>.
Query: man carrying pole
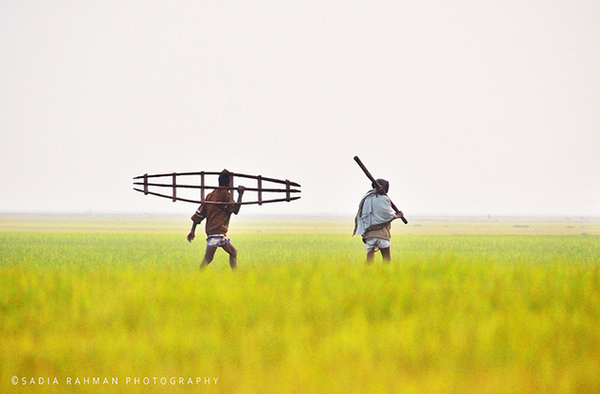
<point>374,217</point>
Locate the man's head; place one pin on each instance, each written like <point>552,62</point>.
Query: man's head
<point>225,178</point>
<point>384,184</point>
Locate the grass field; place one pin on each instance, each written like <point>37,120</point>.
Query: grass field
<point>98,304</point>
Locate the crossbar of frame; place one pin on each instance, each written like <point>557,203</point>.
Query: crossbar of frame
<point>219,202</point>
<point>202,173</point>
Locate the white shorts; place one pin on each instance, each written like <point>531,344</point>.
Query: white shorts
<point>374,244</point>
<point>217,240</point>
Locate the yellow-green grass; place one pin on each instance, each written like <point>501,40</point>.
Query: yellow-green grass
<point>471,312</point>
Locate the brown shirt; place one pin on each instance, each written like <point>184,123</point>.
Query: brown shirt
<point>217,216</point>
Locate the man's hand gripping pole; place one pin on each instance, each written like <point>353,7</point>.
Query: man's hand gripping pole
<point>381,190</point>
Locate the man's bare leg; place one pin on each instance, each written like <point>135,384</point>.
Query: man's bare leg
<point>386,255</point>
<point>209,255</point>
<point>370,257</point>
<point>229,248</point>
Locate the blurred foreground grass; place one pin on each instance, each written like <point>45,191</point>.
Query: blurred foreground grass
<point>452,312</point>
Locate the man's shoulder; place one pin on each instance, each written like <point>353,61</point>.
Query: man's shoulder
<point>381,197</point>
<point>210,196</point>
<point>221,195</point>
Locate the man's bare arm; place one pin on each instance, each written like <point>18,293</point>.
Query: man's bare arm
<point>236,207</point>
<point>398,215</point>
<point>192,233</point>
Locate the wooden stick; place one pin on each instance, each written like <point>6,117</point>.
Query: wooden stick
<point>174,187</point>
<point>202,186</point>
<point>260,190</point>
<point>287,190</point>
<point>380,188</point>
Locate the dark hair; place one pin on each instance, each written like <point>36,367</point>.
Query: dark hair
<point>225,178</point>
<point>384,184</point>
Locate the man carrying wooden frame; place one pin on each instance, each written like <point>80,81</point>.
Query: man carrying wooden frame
<point>217,220</point>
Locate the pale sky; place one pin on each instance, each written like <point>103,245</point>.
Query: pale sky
<point>467,108</point>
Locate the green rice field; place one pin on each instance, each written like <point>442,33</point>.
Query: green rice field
<point>466,305</point>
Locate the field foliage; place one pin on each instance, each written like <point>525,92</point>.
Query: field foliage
<point>485,312</point>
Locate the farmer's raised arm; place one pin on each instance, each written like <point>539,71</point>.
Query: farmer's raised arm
<point>235,208</point>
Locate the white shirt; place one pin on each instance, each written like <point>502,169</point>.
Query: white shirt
<point>373,209</point>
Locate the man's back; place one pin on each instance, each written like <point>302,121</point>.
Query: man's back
<point>217,215</point>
